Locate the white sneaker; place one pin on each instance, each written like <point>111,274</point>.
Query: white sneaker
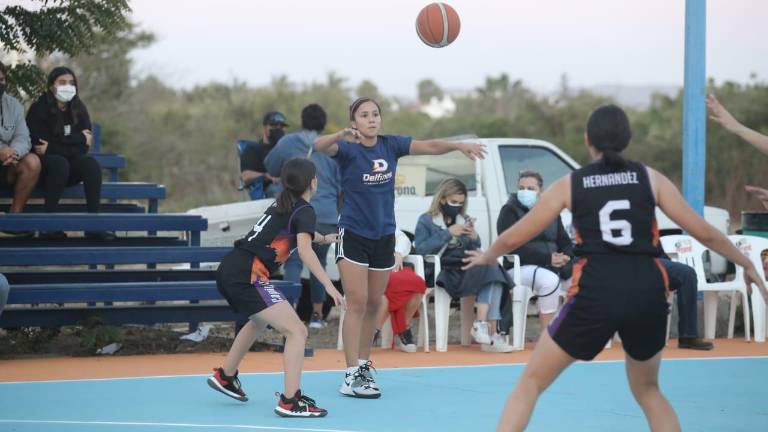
<point>498,344</point>
<point>480,332</point>
<point>357,385</point>
<point>404,342</point>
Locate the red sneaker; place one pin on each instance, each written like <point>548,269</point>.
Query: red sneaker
<point>298,406</point>
<point>230,386</point>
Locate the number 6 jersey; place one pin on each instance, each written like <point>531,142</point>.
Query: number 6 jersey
<point>614,210</point>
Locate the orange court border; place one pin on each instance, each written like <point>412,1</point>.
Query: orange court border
<point>79,368</point>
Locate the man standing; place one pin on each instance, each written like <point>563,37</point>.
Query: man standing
<point>19,169</point>
<point>252,170</point>
<point>325,200</point>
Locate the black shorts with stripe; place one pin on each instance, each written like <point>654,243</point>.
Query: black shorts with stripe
<point>375,254</point>
<point>233,280</point>
<point>614,293</point>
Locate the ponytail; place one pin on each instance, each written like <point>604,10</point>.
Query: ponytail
<point>613,160</point>
<point>296,177</point>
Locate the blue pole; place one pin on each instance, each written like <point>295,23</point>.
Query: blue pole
<point>694,111</point>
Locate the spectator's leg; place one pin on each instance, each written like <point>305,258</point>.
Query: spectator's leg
<point>87,170</point>
<point>54,175</point>
<point>682,278</point>
<point>494,307</point>
<point>482,303</point>
<point>545,284</point>
<point>24,176</point>
<point>4,289</point>
<point>411,307</point>
<point>317,290</point>
<point>292,268</point>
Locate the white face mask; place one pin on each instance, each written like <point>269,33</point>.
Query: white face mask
<point>527,197</point>
<point>65,93</point>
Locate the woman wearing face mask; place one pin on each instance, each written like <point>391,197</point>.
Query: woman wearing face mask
<point>60,128</point>
<point>546,260</point>
<point>366,248</point>
<point>446,230</point>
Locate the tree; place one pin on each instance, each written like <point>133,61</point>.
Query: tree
<point>69,27</point>
<point>429,89</point>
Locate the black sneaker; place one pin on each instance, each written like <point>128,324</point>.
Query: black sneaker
<point>316,322</point>
<point>100,235</point>
<point>53,235</point>
<point>298,406</point>
<point>694,344</point>
<point>405,342</point>
<point>230,386</point>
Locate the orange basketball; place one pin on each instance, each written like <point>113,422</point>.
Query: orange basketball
<point>438,25</point>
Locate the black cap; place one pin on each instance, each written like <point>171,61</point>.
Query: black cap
<point>274,117</point>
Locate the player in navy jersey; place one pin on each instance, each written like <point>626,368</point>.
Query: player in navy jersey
<point>243,279</point>
<point>365,251</point>
<point>618,284</point>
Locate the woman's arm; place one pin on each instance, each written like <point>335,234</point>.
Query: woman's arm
<point>438,147</point>
<point>552,201</point>
<point>428,239</point>
<point>718,113</point>
<point>308,257</point>
<point>328,144</point>
<point>674,205</point>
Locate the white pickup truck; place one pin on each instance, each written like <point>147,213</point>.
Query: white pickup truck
<point>490,182</point>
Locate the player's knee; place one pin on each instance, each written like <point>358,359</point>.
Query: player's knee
<point>357,304</point>
<point>373,303</point>
<point>30,164</point>
<point>296,330</point>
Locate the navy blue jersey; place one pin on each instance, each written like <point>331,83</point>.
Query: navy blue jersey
<point>368,184</point>
<point>614,210</point>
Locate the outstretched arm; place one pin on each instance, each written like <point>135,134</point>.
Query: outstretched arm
<point>328,143</point>
<point>548,207</point>
<point>674,205</point>
<point>718,113</point>
<point>438,147</point>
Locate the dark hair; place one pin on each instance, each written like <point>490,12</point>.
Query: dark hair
<point>76,105</point>
<point>296,177</point>
<point>356,105</point>
<point>531,174</point>
<point>608,131</point>
<point>313,117</point>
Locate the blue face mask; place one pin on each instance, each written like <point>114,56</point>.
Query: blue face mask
<point>527,197</point>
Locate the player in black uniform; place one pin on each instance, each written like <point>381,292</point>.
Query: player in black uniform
<point>243,279</point>
<point>618,285</point>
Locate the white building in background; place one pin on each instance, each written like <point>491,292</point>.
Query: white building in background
<point>439,108</point>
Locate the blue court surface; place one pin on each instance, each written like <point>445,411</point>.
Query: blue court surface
<point>709,395</point>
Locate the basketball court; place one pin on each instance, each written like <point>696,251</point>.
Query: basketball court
<point>463,390</point>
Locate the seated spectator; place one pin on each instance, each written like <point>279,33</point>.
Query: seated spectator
<point>545,261</point>
<point>252,170</point>
<point>683,280</point>
<point>446,230</point>
<point>60,127</point>
<point>19,169</point>
<point>324,201</point>
<point>402,298</point>
<point>4,289</point>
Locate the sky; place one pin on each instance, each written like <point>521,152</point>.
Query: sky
<point>594,42</point>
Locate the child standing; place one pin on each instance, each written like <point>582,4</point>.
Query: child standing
<point>243,279</point>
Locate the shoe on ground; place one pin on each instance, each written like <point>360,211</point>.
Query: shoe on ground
<point>229,385</point>
<point>498,344</point>
<point>317,322</point>
<point>100,235</point>
<point>298,406</point>
<point>404,342</point>
<point>53,235</point>
<point>358,384</point>
<point>480,332</point>
<point>20,234</point>
<point>694,344</point>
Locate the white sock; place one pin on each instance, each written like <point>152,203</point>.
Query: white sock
<point>361,362</point>
<point>351,370</point>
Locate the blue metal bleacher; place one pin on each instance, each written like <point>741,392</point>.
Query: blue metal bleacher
<point>80,208</point>
<point>111,191</point>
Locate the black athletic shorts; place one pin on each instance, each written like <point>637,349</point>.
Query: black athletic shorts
<point>233,279</point>
<point>614,293</point>
<point>375,254</point>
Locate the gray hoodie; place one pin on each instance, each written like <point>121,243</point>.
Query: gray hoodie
<point>13,127</point>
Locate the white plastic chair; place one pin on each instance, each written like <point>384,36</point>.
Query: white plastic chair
<point>443,310</point>
<point>752,247</point>
<point>521,298</point>
<point>422,338</point>
<point>689,251</point>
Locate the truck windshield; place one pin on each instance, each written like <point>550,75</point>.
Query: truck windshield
<point>541,159</point>
<point>421,175</point>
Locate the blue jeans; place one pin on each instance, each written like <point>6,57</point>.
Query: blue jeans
<point>491,295</point>
<point>682,278</point>
<point>293,266</point>
<point>4,288</point>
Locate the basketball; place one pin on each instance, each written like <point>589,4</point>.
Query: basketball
<point>438,25</point>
